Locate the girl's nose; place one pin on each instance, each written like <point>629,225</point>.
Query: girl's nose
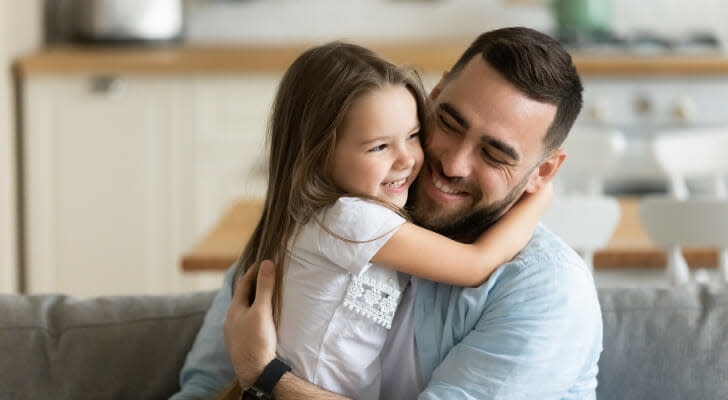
<point>405,159</point>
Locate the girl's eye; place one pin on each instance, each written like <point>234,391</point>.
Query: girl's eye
<point>414,135</point>
<point>378,148</point>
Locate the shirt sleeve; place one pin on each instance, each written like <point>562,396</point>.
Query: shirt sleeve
<point>207,369</point>
<point>360,228</point>
<point>538,338</point>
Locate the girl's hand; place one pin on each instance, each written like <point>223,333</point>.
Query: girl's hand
<point>250,333</point>
<point>540,199</point>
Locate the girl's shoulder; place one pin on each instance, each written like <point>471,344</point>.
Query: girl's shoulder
<point>356,219</point>
<point>359,216</point>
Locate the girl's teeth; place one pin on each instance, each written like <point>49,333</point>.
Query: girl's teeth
<point>396,183</point>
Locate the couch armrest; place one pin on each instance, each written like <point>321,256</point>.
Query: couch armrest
<point>126,347</point>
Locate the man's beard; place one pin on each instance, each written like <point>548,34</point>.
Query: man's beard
<point>466,224</point>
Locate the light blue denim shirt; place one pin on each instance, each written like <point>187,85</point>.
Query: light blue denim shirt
<point>532,331</point>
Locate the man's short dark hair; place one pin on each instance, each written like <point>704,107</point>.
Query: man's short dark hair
<point>538,66</point>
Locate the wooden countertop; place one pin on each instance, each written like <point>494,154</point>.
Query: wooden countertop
<point>629,247</point>
<point>428,57</point>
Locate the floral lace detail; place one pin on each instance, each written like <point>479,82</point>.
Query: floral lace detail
<point>373,298</point>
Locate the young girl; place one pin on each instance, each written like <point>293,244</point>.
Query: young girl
<point>344,140</point>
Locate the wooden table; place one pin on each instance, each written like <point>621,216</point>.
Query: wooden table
<point>629,247</point>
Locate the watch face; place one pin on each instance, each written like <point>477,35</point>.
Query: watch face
<point>253,393</point>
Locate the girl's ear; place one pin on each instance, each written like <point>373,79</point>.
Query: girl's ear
<point>438,88</point>
<point>546,171</point>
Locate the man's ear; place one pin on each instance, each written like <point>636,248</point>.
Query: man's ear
<point>546,171</point>
<point>438,88</point>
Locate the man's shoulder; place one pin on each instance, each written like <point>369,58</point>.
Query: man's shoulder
<point>546,276</point>
<point>547,267</point>
<point>547,252</point>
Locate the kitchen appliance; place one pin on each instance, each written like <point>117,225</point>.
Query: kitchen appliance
<point>582,17</point>
<point>121,21</point>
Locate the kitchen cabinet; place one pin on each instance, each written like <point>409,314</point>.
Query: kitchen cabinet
<point>106,172</point>
<point>122,173</point>
<point>231,116</point>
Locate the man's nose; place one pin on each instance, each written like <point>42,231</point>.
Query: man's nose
<point>456,162</point>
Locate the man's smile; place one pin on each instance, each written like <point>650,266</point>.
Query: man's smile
<point>438,188</point>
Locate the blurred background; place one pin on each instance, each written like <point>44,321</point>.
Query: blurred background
<point>131,131</point>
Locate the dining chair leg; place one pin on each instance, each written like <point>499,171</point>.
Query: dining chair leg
<point>723,264</point>
<point>677,268</point>
<point>678,188</point>
<point>720,189</point>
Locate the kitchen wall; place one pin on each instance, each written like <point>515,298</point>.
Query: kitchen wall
<point>381,20</point>
<point>20,32</point>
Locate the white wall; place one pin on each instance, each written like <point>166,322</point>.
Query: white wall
<point>20,32</point>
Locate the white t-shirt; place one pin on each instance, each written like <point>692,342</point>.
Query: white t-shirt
<point>337,307</point>
<point>401,374</point>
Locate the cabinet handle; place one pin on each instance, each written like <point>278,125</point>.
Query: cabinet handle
<point>107,85</point>
<point>643,105</point>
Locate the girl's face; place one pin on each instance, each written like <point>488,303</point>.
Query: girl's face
<point>378,151</point>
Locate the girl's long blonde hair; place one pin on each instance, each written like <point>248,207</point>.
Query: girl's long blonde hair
<point>313,97</point>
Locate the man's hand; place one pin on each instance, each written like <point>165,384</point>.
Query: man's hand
<point>250,333</point>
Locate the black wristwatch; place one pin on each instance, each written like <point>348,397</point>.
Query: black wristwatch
<point>263,387</point>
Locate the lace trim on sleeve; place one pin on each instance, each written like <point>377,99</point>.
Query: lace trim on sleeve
<point>373,299</point>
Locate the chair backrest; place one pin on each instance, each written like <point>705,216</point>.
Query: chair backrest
<point>673,223</point>
<point>693,223</point>
<point>592,153</point>
<point>693,153</point>
<point>584,222</point>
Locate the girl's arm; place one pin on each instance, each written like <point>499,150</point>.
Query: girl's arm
<point>426,254</point>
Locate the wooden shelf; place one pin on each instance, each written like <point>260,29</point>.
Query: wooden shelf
<point>428,57</point>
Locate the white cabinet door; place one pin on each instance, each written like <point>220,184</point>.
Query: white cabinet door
<point>231,115</point>
<point>108,184</point>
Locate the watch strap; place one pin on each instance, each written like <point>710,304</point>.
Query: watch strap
<point>263,386</point>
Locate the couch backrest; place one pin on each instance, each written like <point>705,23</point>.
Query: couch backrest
<point>658,344</point>
<point>56,347</point>
<point>664,343</point>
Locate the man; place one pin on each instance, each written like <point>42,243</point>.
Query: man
<point>533,330</point>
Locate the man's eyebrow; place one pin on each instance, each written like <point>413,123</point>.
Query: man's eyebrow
<point>503,147</point>
<point>447,108</point>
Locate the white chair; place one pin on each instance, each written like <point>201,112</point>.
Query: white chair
<point>592,154</point>
<point>585,223</point>
<point>681,219</point>
<point>581,214</point>
<point>693,154</point>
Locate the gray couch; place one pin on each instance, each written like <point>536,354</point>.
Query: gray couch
<point>658,344</point>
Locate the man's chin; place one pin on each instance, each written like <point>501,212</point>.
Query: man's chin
<point>443,219</point>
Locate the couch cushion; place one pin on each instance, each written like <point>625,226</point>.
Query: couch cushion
<point>664,343</point>
<point>56,347</point>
